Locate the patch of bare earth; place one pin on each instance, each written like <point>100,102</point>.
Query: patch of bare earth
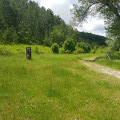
<point>101,69</point>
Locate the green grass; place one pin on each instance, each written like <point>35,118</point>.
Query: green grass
<point>109,63</point>
<point>100,58</point>
<point>55,87</point>
<point>21,49</point>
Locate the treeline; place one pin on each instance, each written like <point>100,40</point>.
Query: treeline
<point>25,22</point>
<point>93,39</point>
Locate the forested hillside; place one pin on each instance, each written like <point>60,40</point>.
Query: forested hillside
<point>91,38</point>
<point>25,22</point>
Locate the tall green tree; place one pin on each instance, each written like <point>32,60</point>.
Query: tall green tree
<point>69,45</point>
<point>57,35</point>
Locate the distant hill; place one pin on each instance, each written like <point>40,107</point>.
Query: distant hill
<point>93,39</point>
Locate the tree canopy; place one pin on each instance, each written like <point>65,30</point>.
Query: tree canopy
<point>109,9</point>
<point>25,22</point>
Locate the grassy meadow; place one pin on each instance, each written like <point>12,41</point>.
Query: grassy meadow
<point>54,87</point>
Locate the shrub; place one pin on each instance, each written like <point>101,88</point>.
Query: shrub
<point>69,45</point>
<point>79,50</point>
<point>117,55</point>
<point>68,52</point>
<point>84,46</point>
<point>55,48</point>
<point>94,49</point>
<point>62,51</point>
<point>102,49</point>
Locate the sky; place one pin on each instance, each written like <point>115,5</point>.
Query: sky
<point>62,8</point>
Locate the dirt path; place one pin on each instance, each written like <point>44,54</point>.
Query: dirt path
<point>101,69</point>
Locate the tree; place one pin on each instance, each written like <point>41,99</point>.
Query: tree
<point>114,45</point>
<point>55,48</point>
<point>91,38</point>
<point>109,9</point>
<point>9,36</point>
<point>69,45</point>
<point>57,35</point>
<point>25,22</point>
<point>84,46</point>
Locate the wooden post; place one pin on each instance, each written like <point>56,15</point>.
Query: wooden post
<point>28,53</point>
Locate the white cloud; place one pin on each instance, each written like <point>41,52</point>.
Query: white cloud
<point>94,25</point>
<point>62,8</point>
<point>51,3</point>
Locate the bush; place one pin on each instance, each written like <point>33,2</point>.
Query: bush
<point>102,49</point>
<point>69,45</point>
<point>55,48</point>
<point>117,55</point>
<point>62,51</point>
<point>79,50</point>
<point>68,52</point>
<point>84,46</point>
<point>94,49</point>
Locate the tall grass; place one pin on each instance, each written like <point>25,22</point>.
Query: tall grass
<point>21,49</point>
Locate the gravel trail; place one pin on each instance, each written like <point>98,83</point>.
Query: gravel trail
<point>101,69</point>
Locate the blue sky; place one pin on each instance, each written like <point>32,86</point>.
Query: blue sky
<point>62,8</point>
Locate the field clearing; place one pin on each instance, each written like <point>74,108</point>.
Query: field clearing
<point>55,87</point>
